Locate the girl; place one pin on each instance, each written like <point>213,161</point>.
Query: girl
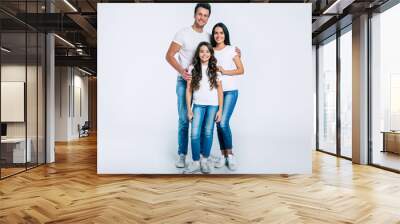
<point>230,65</point>
<point>206,89</point>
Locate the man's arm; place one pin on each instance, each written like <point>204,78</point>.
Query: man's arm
<point>170,57</point>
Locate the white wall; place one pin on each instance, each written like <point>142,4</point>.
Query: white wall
<point>17,73</point>
<point>137,115</point>
<point>68,81</point>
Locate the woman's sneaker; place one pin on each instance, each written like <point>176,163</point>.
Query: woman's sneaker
<point>206,165</point>
<point>194,167</point>
<point>180,163</point>
<point>219,161</point>
<point>231,161</point>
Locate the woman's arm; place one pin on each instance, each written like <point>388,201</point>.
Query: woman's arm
<point>239,67</point>
<point>220,102</point>
<point>189,100</point>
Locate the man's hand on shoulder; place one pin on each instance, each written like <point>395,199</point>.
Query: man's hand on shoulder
<point>238,52</point>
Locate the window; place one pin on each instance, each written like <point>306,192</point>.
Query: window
<point>385,89</point>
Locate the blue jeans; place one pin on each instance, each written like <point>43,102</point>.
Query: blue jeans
<point>223,128</point>
<point>183,122</point>
<point>202,130</point>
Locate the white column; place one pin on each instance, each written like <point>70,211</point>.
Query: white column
<point>50,93</point>
<point>360,90</point>
<point>50,79</point>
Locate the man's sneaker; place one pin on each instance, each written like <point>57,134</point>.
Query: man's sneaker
<point>206,165</point>
<point>180,163</point>
<point>231,162</point>
<point>194,167</point>
<point>219,161</point>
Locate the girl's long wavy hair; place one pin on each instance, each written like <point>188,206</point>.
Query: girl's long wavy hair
<point>211,68</point>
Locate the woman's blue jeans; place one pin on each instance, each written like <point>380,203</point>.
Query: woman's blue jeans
<point>223,128</point>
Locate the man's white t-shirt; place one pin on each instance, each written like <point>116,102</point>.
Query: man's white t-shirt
<point>204,95</point>
<point>225,60</point>
<point>189,39</point>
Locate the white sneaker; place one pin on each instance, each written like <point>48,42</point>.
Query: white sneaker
<point>180,163</point>
<point>206,165</point>
<point>219,161</point>
<point>194,167</point>
<point>231,161</point>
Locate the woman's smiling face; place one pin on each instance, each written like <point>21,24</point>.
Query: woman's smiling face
<point>219,35</point>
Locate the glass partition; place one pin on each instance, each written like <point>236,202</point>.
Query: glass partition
<point>346,94</point>
<point>22,101</point>
<point>327,96</point>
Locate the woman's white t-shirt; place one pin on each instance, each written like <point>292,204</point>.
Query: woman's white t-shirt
<point>225,60</point>
<point>204,95</point>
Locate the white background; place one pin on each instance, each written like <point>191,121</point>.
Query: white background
<point>272,123</point>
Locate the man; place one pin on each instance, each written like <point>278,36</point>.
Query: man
<point>185,43</point>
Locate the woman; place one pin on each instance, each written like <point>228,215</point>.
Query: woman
<point>231,67</point>
<point>206,89</point>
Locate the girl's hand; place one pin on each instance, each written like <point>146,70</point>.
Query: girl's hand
<point>190,115</point>
<point>220,69</point>
<point>218,117</point>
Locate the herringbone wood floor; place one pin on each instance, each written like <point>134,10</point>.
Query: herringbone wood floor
<point>70,191</point>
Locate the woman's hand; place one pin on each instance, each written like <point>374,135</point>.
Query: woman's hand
<point>218,117</point>
<point>190,115</point>
<point>220,69</point>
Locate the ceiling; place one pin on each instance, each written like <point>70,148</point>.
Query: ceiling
<point>76,22</point>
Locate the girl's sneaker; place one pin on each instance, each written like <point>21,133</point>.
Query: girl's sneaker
<point>231,162</point>
<point>194,167</point>
<point>206,165</point>
<point>219,161</point>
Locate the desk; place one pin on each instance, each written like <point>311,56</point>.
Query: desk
<point>17,150</point>
<point>391,141</point>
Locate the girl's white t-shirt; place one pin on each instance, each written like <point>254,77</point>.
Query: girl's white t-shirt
<point>225,60</point>
<point>204,95</point>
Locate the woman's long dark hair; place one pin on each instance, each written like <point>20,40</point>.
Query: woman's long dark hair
<point>211,68</point>
<point>227,40</point>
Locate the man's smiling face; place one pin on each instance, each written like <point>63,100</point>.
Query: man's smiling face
<point>201,16</point>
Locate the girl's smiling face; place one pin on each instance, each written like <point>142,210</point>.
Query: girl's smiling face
<point>204,54</point>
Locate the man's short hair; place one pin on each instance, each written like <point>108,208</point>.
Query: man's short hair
<point>203,5</point>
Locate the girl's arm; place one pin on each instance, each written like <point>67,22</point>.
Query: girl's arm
<point>189,100</point>
<point>239,67</point>
<point>220,101</point>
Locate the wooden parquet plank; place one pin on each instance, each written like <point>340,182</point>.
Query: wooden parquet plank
<point>70,191</point>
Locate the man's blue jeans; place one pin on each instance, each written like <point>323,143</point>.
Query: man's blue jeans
<point>223,127</point>
<point>183,123</point>
<point>202,130</point>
